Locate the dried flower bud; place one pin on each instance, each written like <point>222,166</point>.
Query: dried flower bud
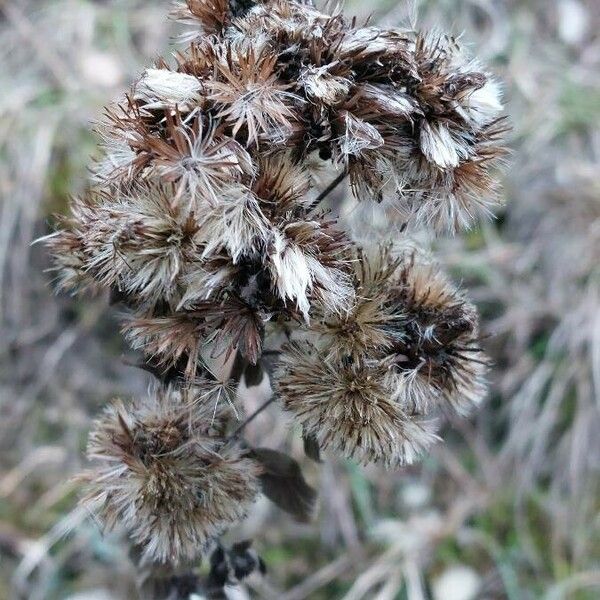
<point>136,242</point>
<point>252,99</point>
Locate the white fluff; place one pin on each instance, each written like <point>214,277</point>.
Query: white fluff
<point>118,160</point>
<point>359,136</point>
<point>161,88</point>
<point>236,224</point>
<point>438,145</point>
<point>484,104</point>
<point>320,83</point>
<point>291,273</point>
<point>336,288</point>
<point>390,99</point>
<point>371,39</point>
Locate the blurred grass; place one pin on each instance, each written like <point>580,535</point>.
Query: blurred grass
<point>513,495</point>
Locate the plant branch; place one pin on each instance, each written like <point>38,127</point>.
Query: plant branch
<point>251,418</point>
<point>327,191</point>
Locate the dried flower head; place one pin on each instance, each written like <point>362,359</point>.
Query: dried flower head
<point>162,472</point>
<point>136,242</point>
<point>436,347</point>
<point>408,315</point>
<point>352,407</point>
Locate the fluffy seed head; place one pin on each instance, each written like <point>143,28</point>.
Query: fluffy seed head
<point>407,314</point>
<point>136,242</point>
<point>366,328</point>
<point>160,472</point>
<point>204,164</point>
<point>252,99</point>
<point>436,347</point>
<point>350,407</point>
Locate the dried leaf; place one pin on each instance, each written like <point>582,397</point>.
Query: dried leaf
<point>311,447</point>
<point>283,483</point>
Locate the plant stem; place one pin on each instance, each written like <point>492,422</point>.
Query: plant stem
<point>251,418</point>
<point>327,191</point>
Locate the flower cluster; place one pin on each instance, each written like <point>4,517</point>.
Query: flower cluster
<point>378,373</point>
<point>205,219</point>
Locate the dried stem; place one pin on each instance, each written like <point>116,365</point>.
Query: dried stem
<point>251,418</point>
<point>327,191</point>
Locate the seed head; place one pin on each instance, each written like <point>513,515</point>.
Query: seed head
<point>436,347</point>
<point>408,315</point>
<point>351,407</point>
<point>161,471</point>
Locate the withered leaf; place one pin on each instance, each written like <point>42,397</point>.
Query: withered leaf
<point>311,447</point>
<point>283,483</point>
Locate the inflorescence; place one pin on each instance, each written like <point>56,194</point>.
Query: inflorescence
<point>205,220</point>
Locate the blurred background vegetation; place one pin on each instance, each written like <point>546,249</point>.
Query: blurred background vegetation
<point>507,508</point>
